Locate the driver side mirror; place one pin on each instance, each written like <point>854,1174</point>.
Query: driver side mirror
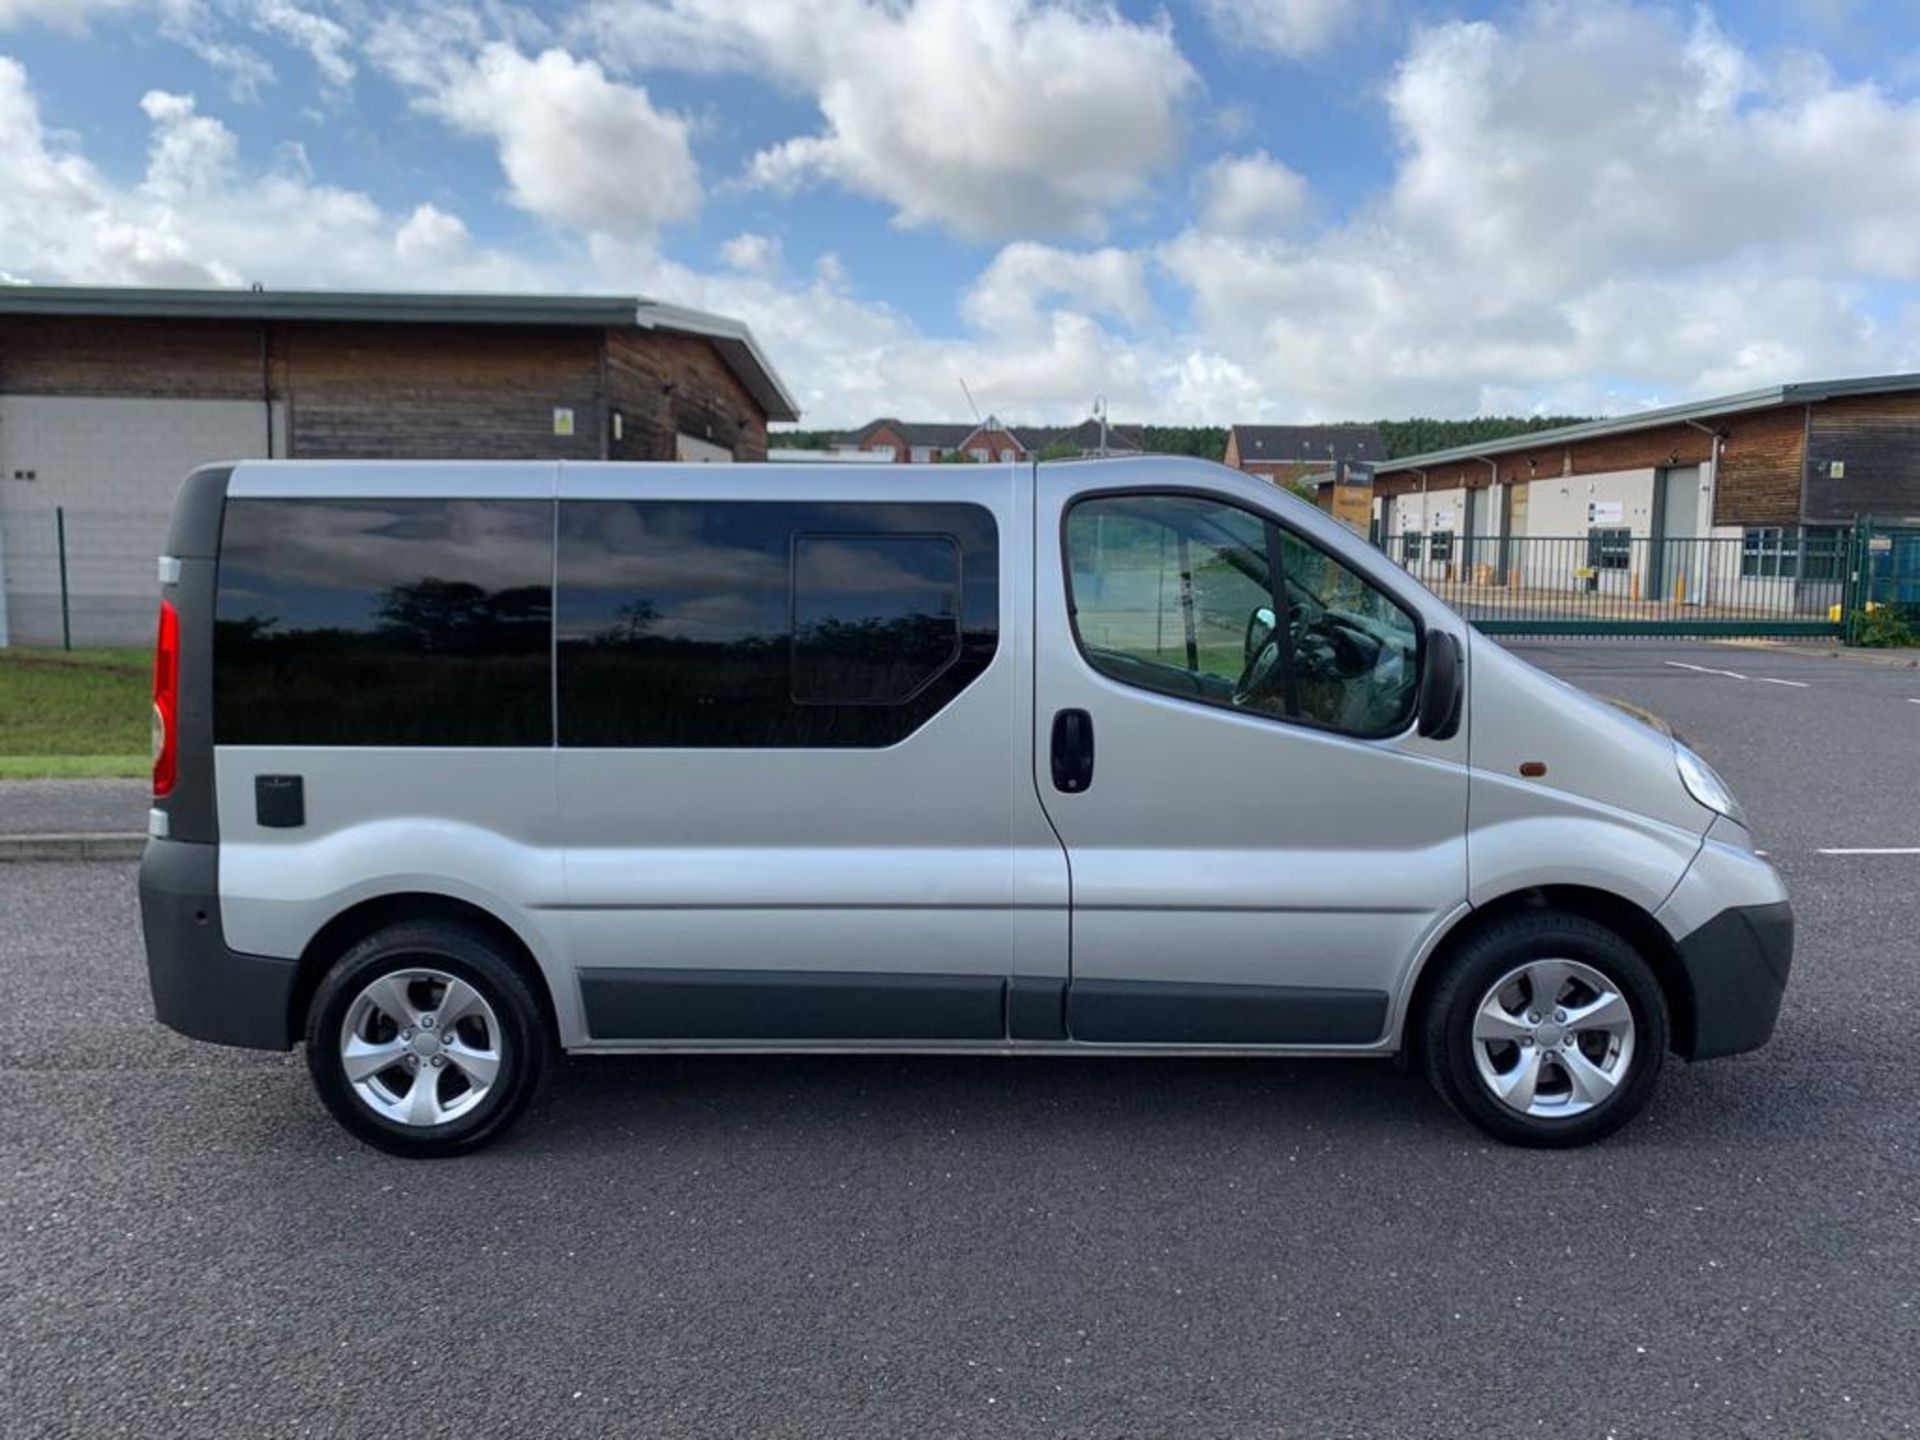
<point>1260,628</point>
<point>1443,689</point>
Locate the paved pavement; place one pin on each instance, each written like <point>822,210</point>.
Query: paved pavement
<point>840,1247</point>
<point>74,807</point>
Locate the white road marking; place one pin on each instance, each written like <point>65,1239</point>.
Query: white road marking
<point>1736,675</point>
<point>1704,669</point>
<point>1913,702</point>
<point>1872,850</point>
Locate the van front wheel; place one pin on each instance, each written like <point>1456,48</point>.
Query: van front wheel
<point>1547,1029</point>
<point>424,1040</point>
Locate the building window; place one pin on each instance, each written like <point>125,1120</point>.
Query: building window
<point>750,624</point>
<point>1609,549</point>
<point>981,453</point>
<point>1787,552</point>
<point>384,622</point>
<point>922,454</point>
<point>1823,552</point>
<point>1412,545</point>
<point>1442,546</point>
<point>1008,455</point>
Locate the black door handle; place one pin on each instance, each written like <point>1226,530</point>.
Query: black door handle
<point>1072,751</point>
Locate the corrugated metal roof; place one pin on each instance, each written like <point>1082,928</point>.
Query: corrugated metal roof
<point>730,337</point>
<point>1696,411</point>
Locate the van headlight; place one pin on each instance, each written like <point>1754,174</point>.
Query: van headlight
<point>1705,785</point>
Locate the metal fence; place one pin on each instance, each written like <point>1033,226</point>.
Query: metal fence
<point>1610,582</point>
<point>79,576</point>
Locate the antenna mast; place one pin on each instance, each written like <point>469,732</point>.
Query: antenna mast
<point>970,402</point>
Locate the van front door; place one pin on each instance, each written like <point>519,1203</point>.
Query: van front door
<point>1259,844</point>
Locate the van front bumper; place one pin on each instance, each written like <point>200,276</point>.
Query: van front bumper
<point>1733,931</point>
<point>200,987</point>
<point>1736,966</point>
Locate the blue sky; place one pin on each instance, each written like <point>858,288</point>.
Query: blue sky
<point>1211,210</point>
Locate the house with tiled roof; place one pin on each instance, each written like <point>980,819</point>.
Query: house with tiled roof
<point>1290,454</point>
<point>913,442</point>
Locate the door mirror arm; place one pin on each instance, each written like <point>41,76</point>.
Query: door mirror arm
<point>1443,690</point>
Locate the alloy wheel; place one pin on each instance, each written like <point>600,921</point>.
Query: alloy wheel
<point>1553,1038</point>
<point>420,1047</point>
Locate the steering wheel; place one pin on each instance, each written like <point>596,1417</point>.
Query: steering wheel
<point>1261,678</point>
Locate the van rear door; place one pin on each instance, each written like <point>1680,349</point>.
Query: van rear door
<point>1259,843</point>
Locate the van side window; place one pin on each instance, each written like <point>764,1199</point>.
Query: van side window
<point>384,622</point>
<point>1202,600</point>
<point>876,618</point>
<point>769,624</point>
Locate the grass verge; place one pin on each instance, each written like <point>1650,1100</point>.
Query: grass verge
<point>81,714</point>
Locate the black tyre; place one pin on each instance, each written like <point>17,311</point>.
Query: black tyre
<point>1546,1029</point>
<point>424,1040</point>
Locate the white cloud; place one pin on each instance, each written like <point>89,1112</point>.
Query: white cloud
<point>1008,297</point>
<point>988,117</point>
<point>432,237</point>
<point>196,217</point>
<point>1251,193</point>
<point>1588,194</point>
<point>191,155</point>
<point>1294,28</point>
<point>753,253</point>
<point>71,15</point>
<point>576,148</point>
<point>326,41</point>
<point>1642,140</point>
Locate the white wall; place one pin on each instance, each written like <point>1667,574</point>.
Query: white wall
<point>1560,511</point>
<point>114,465</point>
<point>1425,513</point>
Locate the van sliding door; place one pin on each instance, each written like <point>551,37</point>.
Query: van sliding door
<point>784,731</point>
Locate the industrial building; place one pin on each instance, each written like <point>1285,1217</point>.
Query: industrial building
<point>108,397</point>
<point>1739,501</point>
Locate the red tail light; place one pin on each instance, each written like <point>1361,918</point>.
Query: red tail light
<point>166,700</point>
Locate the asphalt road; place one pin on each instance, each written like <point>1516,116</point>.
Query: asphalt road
<point>839,1247</point>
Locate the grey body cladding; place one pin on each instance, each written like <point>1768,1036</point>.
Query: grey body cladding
<point>656,1005</point>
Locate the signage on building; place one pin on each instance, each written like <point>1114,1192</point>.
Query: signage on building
<point>1606,512</point>
<point>562,420</point>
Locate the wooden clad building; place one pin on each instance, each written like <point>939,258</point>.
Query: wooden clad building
<point>109,396</point>
<point>1811,454</point>
<point>1779,474</point>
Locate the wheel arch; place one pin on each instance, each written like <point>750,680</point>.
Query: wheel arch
<point>1622,916</point>
<point>368,916</point>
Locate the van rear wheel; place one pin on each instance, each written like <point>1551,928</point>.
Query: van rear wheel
<point>424,1040</point>
<point>1547,1029</point>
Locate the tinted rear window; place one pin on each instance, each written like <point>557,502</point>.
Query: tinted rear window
<point>876,618</point>
<point>742,623</point>
<point>384,622</point>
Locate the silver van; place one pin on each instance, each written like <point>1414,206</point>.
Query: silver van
<point>461,765</point>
